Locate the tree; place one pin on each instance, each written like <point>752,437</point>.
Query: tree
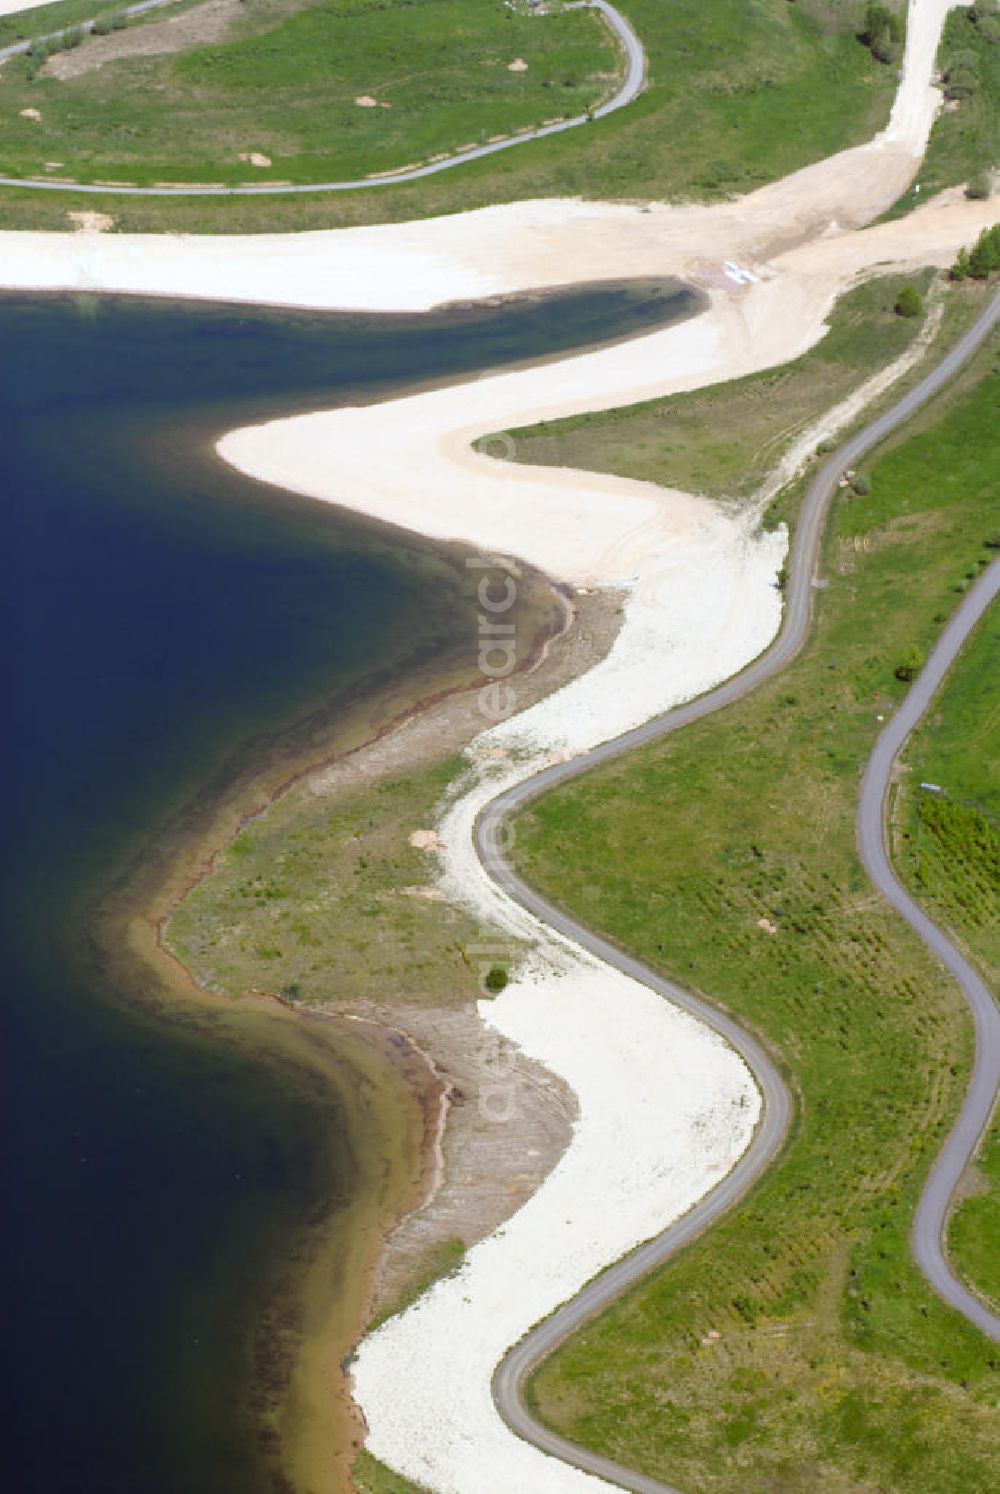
<point>980,188</point>
<point>909,665</point>
<point>908,302</point>
<point>982,260</point>
<point>496,979</point>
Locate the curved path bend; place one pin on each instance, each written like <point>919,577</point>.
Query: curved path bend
<point>932,1211</point>
<point>631,87</point>
<point>518,1364</point>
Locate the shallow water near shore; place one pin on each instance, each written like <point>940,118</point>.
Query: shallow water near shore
<point>167,624</point>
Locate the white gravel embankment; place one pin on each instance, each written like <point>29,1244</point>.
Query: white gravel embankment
<point>666,1107</point>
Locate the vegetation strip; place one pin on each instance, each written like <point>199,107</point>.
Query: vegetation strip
<point>511,1375</point>
<point>631,86</point>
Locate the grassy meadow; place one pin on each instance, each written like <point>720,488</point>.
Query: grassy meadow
<point>285,81</point>
<point>738,94</point>
<point>324,900</point>
<point>796,1345</point>
<point>948,844</point>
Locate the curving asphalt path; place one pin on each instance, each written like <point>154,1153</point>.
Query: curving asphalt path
<point>514,1369</point>
<point>635,72</point>
<point>932,1211</point>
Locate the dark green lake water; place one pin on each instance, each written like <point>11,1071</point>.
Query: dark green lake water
<point>160,614</point>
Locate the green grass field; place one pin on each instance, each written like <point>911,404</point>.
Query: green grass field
<point>949,844</point>
<point>738,94</point>
<point>284,83</point>
<point>796,1346</point>
<point>723,440</point>
<point>948,848</point>
<point>323,901</point>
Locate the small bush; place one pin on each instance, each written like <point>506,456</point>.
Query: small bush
<point>861,484</point>
<point>980,188</point>
<point>908,302</point>
<point>961,76</point>
<point>883,32</point>
<point>119,22</point>
<point>496,979</point>
<point>37,58</point>
<point>103,26</point>
<point>909,665</point>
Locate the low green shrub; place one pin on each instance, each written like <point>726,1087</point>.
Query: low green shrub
<point>909,665</point>
<point>908,302</point>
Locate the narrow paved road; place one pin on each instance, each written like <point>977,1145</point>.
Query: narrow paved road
<point>932,1211</point>
<point>513,1371</point>
<point>635,71</point>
